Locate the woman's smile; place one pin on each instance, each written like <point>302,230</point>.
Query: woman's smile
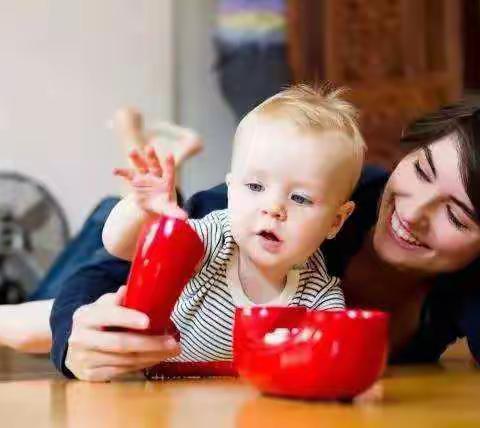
<point>402,234</point>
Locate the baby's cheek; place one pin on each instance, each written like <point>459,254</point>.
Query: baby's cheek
<point>238,225</point>
<point>239,205</point>
<point>238,216</point>
<point>311,235</point>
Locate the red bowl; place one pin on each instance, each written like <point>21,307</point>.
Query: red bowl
<point>296,353</point>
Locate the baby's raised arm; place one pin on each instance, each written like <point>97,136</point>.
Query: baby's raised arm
<point>152,185</point>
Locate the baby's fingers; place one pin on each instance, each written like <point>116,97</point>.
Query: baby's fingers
<point>139,161</point>
<point>126,173</point>
<point>169,171</point>
<point>153,162</point>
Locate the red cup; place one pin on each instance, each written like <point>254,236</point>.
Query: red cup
<point>167,254</point>
<point>326,355</point>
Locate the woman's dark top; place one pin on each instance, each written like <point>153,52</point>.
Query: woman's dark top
<point>448,313</point>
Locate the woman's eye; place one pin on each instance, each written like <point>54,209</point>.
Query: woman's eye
<point>301,200</point>
<point>421,173</point>
<point>454,220</point>
<point>255,187</point>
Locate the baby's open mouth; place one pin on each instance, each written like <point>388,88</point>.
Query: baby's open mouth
<point>269,235</point>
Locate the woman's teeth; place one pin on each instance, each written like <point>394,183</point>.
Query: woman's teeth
<point>403,233</point>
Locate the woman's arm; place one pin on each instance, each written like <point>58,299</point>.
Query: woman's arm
<point>102,274</point>
<point>470,321</point>
<point>448,313</point>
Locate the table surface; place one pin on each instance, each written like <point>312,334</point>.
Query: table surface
<point>33,395</point>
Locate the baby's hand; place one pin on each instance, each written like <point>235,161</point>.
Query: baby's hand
<point>153,184</point>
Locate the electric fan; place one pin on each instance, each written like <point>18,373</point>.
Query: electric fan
<point>33,230</point>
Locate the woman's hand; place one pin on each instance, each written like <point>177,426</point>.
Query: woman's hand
<point>153,184</point>
<point>98,354</point>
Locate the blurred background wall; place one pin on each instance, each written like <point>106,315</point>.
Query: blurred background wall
<point>199,103</point>
<point>65,67</point>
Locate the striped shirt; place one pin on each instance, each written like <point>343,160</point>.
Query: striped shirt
<point>205,311</point>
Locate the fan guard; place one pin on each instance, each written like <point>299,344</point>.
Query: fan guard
<point>33,230</point>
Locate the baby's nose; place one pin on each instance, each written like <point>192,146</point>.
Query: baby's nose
<point>276,211</point>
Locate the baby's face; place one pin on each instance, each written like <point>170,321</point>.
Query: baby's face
<point>287,191</point>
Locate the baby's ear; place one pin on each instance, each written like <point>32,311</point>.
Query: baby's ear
<point>341,217</point>
<point>228,178</point>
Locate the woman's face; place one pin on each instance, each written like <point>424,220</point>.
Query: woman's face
<point>426,221</point>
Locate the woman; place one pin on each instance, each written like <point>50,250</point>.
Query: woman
<point>423,252</point>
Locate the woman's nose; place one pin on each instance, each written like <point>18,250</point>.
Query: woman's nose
<point>417,216</point>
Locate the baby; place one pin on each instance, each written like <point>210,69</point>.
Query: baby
<point>296,159</point>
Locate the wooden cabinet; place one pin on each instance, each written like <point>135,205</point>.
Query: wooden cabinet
<point>401,58</point>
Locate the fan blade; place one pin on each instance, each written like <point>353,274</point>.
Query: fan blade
<point>23,268</point>
<point>36,215</point>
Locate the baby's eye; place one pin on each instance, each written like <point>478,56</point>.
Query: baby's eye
<point>301,200</point>
<point>255,187</point>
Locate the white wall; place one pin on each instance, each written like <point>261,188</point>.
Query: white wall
<point>65,67</point>
<point>199,102</point>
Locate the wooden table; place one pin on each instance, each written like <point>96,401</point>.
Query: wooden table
<point>32,395</point>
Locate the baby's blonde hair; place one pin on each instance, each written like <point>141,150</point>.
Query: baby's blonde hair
<point>315,109</point>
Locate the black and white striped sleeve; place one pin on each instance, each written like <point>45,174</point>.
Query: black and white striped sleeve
<point>331,297</point>
<point>209,230</point>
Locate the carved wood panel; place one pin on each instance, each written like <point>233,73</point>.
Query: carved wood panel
<point>471,37</point>
<point>401,58</point>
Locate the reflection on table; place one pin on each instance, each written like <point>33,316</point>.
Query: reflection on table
<point>31,394</point>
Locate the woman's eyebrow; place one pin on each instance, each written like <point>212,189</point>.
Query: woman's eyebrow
<point>429,157</point>
<point>468,211</point>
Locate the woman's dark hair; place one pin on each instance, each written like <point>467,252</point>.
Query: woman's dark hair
<point>463,121</point>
